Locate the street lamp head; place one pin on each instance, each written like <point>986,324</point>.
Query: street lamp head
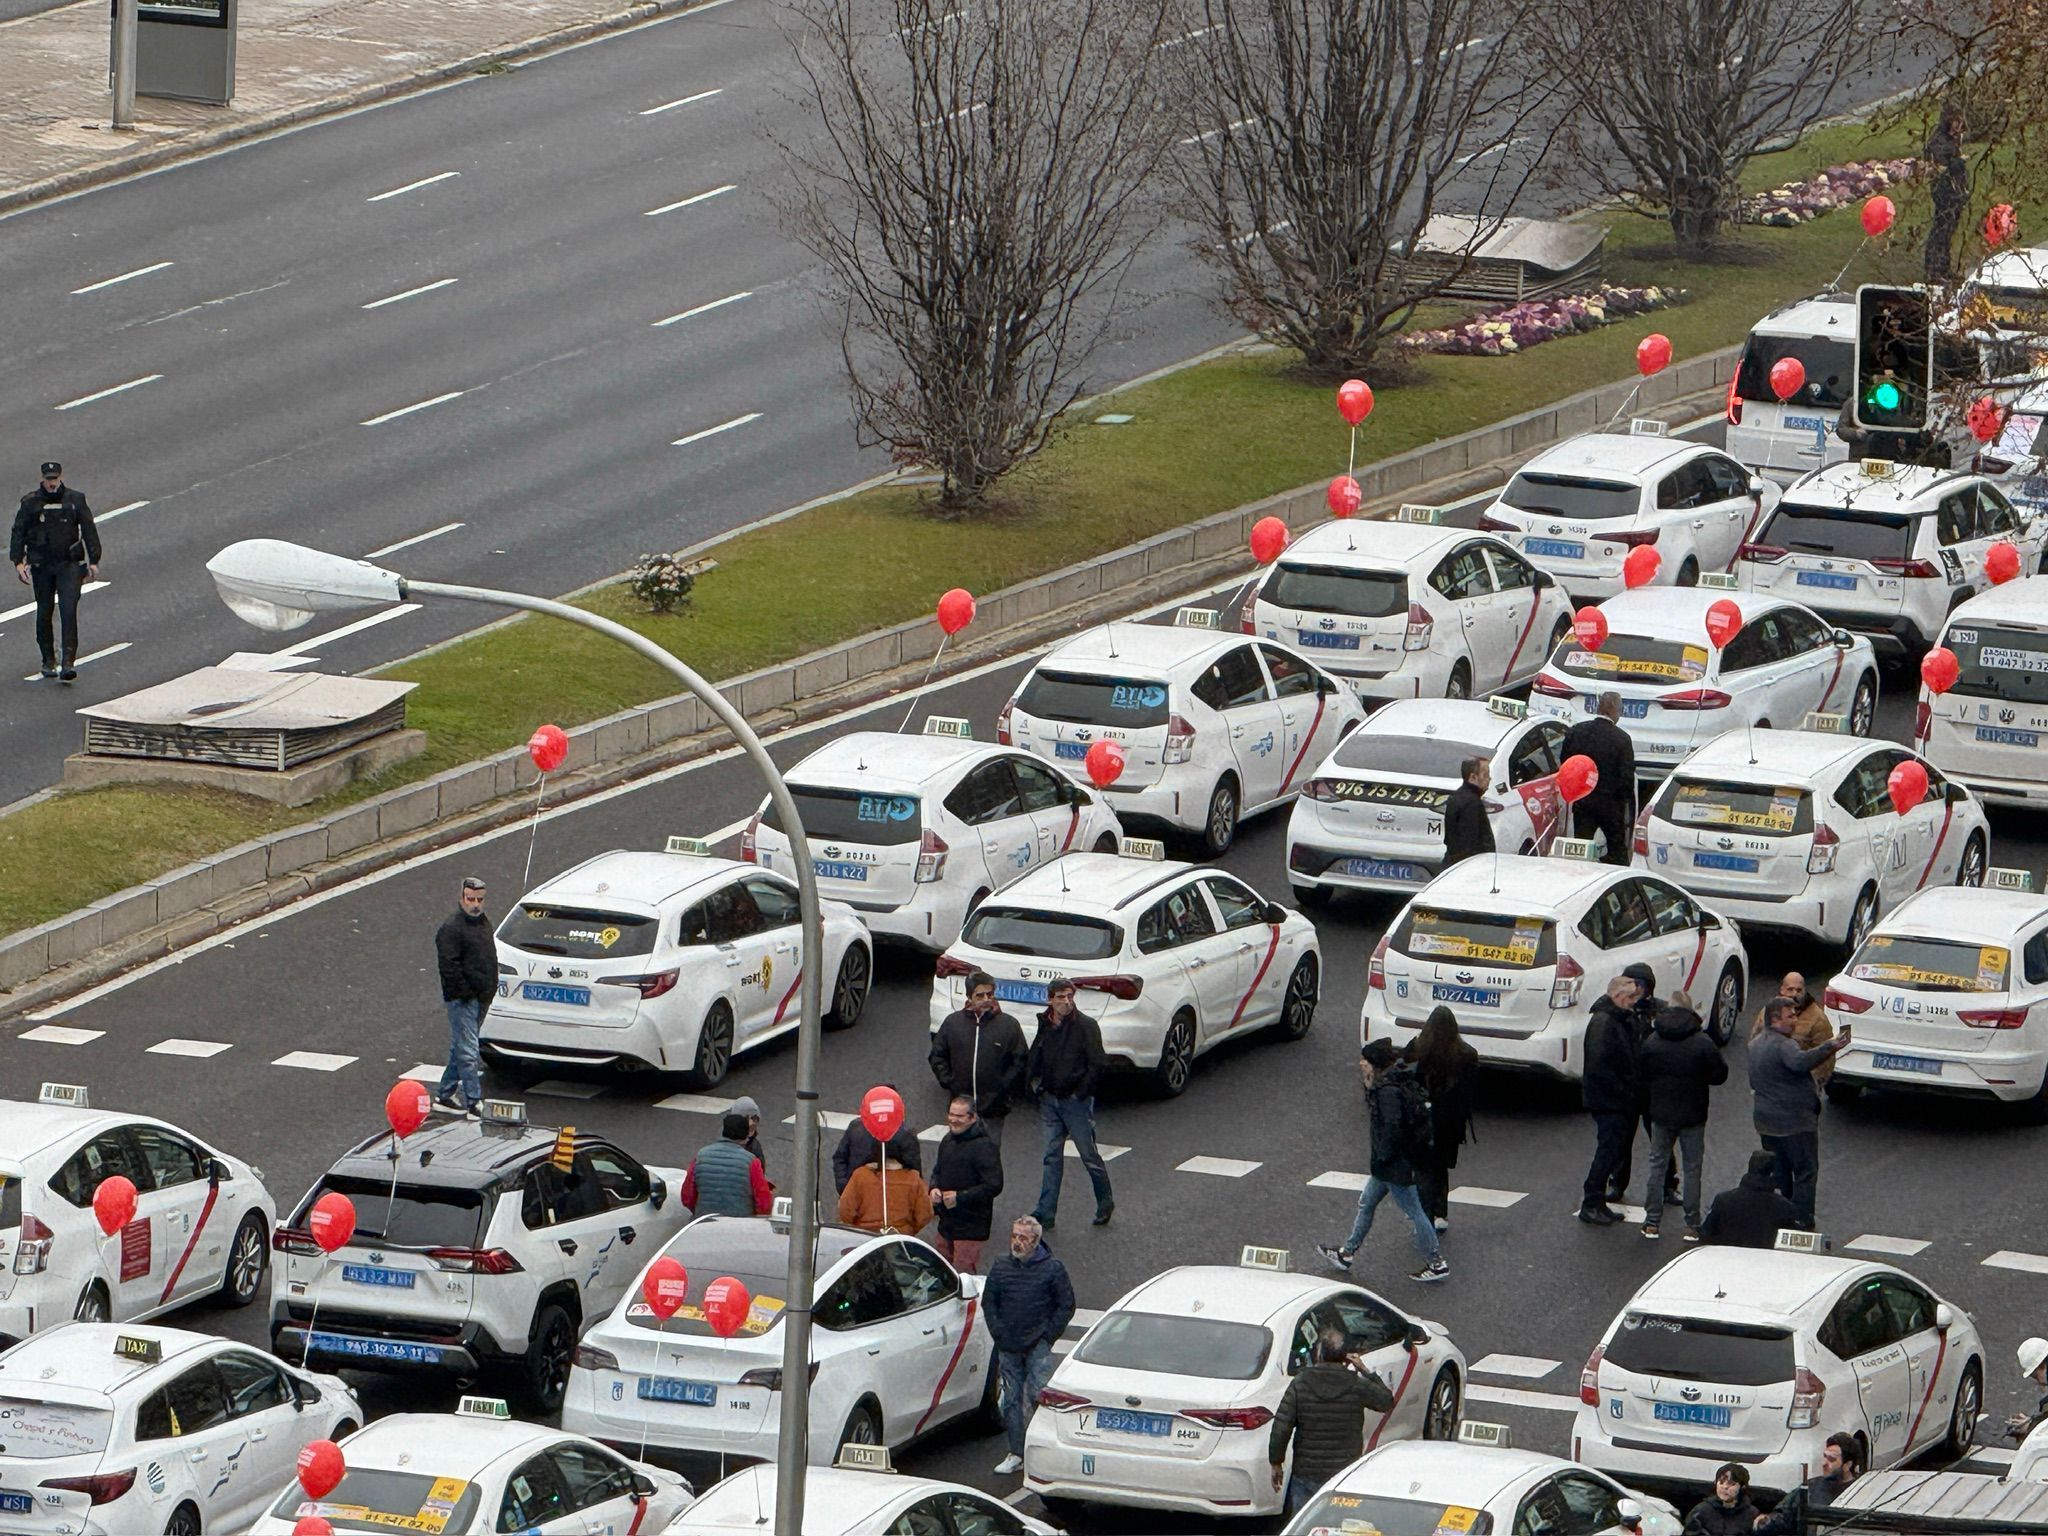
<point>276,585</point>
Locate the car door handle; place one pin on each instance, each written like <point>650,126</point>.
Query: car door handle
<point>195,1455</point>
<point>875,1350</point>
<point>567,1245</point>
<point>627,1234</point>
<point>259,1434</point>
<point>931,1330</point>
<point>1196,965</point>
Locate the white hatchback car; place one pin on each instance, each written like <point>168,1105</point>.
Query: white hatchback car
<point>1737,1354</point>
<point>118,1429</point>
<point>1942,996</point>
<point>1678,692</point>
<point>201,1225</point>
<point>1987,730</point>
<point>673,961</point>
<point>913,831</point>
<point>1411,610</point>
<point>841,1501</point>
<point>1577,509</point>
<point>1782,440</point>
<point>1520,947</point>
<point>1214,727</point>
<point>1170,959</point>
<point>1796,830</point>
<point>1166,1401</point>
<point>1372,817</point>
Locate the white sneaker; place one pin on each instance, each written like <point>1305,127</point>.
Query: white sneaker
<point>1010,1463</point>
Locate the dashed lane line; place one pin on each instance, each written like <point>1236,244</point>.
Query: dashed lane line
<point>60,1034</point>
<point>28,608</point>
<point>101,394</point>
<point>411,293</point>
<point>1492,1199</point>
<point>88,658</point>
<point>723,426</point>
<point>107,517</point>
<point>417,405</point>
<point>418,538</point>
<point>1900,1247</point>
<point>690,201</point>
<point>2029,1263</point>
<point>683,101</point>
<point>202,1049</point>
<point>313,1061</point>
<point>689,314</point>
<point>108,282</point>
<point>381,616</point>
<point>1221,1167</point>
<point>1522,1367</point>
<point>412,186</point>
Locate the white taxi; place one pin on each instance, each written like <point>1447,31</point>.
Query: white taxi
<point>1577,509</point>
<point>1411,610</point>
<point>1796,830</point>
<point>1737,1354</point>
<point>913,831</point>
<point>1170,959</point>
<point>1942,996</point>
<point>1479,1484</point>
<point>479,1469</point>
<point>1521,946</point>
<point>1678,692</point>
<point>1165,1402</point>
<point>895,1353</point>
<point>675,961</point>
<point>1783,439</point>
<point>1372,817</point>
<point>115,1429</point>
<point>1987,730</point>
<point>1214,727</point>
<point>846,1500</point>
<point>201,1225</point>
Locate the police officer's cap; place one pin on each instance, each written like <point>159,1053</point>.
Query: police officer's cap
<point>51,468</point>
<point>2032,1353</point>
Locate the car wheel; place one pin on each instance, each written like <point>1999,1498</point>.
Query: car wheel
<point>1689,573</point>
<point>184,1521</point>
<point>1727,1004</point>
<point>248,1263</point>
<point>863,1426</point>
<point>714,1047</point>
<point>1176,1056</point>
<point>1219,827</point>
<point>545,1371</point>
<point>1962,1424</point>
<point>1862,919</point>
<point>1460,684</point>
<point>1298,1002</point>
<point>1440,1418</point>
<point>1105,843</point>
<point>93,1306</point>
<point>1863,708</point>
<point>1971,870</point>
<point>344,1429</point>
<point>1310,895</point>
<point>988,1414</point>
<point>850,991</point>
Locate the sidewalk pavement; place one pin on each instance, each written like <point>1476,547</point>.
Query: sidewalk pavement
<point>295,59</point>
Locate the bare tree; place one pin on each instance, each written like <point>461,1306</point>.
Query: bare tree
<point>976,196</point>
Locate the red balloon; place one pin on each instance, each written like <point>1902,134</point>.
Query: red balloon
<point>956,610</point>
<point>548,747</point>
<point>2001,224</point>
<point>407,1104</point>
<point>1907,785</point>
<point>1986,419</point>
<point>1877,215</point>
<point>664,1286</point>
<point>1724,621</point>
<point>1788,377</point>
<point>1590,625</point>
<point>2001,562</point>
<point>1105,764</point>
<point>321,1468</point>
<point>881,1111</point>
<point>1653,353</point>
<point>1344,496</point>
<point>333,1222</point>
<point>114,1203</point>
<point>1939,668</point>
<point>1639,567</point>
<point>726,1304</point>
<point>1354,400</point>
<point>312,1525</point>
<point>1577,778</point>
<point>1269,537</point>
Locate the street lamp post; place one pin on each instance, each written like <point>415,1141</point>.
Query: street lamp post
<point>279,586</point>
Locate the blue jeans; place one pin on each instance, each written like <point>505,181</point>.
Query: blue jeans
<point>1409,1201</point>
<point>1024,1376</point>
<point>1300,1491</point>
<point>1064,1120</point>
<point>463,1077</point>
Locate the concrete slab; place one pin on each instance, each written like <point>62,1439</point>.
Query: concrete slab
<point>351,829</point>
<point>182,890</point>
<point>296,848</point>
<point>408,809</point>
<point>238,869</point>
<point>24,956</point>
<point>467,788</point>
<point>74,937</point>
<point>125,913</point>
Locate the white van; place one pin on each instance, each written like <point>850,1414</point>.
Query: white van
<point>1987,731</point>
<point>1783,440</point>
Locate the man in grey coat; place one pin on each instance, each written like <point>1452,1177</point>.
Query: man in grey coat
<point>1787,1105</point>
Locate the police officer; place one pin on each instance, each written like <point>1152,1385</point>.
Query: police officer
<point>2033,1366</point>
<point>56,549</point>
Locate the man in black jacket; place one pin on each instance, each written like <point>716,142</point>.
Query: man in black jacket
<point>1642,1015</point>
<point>1612,1093</point>
<point>55,549</point>
<point>1838,1469</point>
<point>979,1051</point>
<point>1066,1060</point>
<point>1323,1412</point>
<point>1611,808</point>
<point>1466,829</point>
<point>1398,1112</point>
<point>1752,1213</point>
<point>1678,1065</point>
<point>967,1175</point>
<point>468,960</point>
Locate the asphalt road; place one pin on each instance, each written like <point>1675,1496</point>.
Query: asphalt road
<point>350,975</point>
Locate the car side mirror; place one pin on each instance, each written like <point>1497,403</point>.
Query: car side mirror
<point>1417,1336</point>
<point>657,1191</point>
<point>1944,1317</point>
<point>1544,581</point>
<point>1082,797</point>
<point>1844,640</point>
<point>1756,485</point>
<point>643,1486</point>
<point>1708,922</point>
<point>217,1171</point>
<point>1325,686</point>
<point>1274,913</point>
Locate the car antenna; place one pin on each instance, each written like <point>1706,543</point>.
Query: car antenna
<point>1752,743</point>
<point>1109,633</point>
<point>1496,874</point>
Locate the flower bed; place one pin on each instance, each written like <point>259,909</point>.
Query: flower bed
<point>1839,185</point>
<point>1499,331</point>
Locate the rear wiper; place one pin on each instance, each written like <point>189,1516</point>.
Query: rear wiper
<point>1013,949</point>
<point>546,949</point>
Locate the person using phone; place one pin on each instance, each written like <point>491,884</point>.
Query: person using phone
<point>1786,1104</point>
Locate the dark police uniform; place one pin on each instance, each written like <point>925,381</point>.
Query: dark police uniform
<point>54,534</point>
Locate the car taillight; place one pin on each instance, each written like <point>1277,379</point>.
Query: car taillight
<point>1992,1018</point>
<point>1061,1402</point>
<point>1808,1390</point>
<point>32,1247</point>
<point>951,965</point>
<point>769,1377</point>
<point>292,1240</point>
<point>101,1487</point>
<point>1633,538</point>
<point>1551,687</point>
<point>1003,721</point>
<point>1733,410</point>
<point>931,857</point>
<point>1124,988</point>
<point>748,848</point>
<point>1642,843</point>
<point>1847,1002</point>
<point>1230,1418</point>
<point>1923,719</point>
<point>1180,741</point>
<point>1821,861</point>
<point>651,985</point>
<point>1491,524</point>
<point>1763,554</point>
<point>1319,789</point>
<point>1923,569</point>
<point>590,1358</point>
<point>1565,982</point>
<point>1696,698</point>
<point>1420,628</point>
<point>474,1261</point>
<point>1589,1378</point>
<point>1376,973</point>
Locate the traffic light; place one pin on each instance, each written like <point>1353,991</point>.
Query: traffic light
<point>1894,358</point>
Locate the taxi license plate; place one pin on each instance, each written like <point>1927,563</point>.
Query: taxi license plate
<point>1999,736</point>
<point>1020,991</point>
<point>1694,1413</point>
<point>1381,869</point>
<point>547,992</point>
<point>839,869</point>
<point>1557,549</point>
<point>1317,640</point>
<point>1157,1425</point>
<point>1073,750</point>
<point>371,1274</point>
<point>399,1350</point>
<point>1831,579</point>
<point>1631,709</point>
<point>1886,1061</point>
<point>669,1389</point>
<point>16,1503</point>
<point>1734,861</point>
<point>1478,997</point>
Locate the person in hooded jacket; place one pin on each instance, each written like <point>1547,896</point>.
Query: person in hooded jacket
<point>1643,1015</point>
<point>1399,1120</point>
<point>1678,1067</point>
<point>1728,1510</point>
<point>1752,1213</point>
<point>891,1198</point>
<point>1613,1095</point>
<point>979,1050</point>
<point>1449,1070</point>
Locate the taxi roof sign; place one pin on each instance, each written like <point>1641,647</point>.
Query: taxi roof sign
<point>1476,1432</point>
<point>2002,879</point>
<point>1719,581</point>
<point>1255,1257</point>
<point>1791,1240</point>
<point>1834,724</point>
<point>1143,848</point>
<point>696,847</point>
<point>129,1346</point>
<point>564,1155</point>
<point>959,728</point>
<point>1878,469</point>
<point>1646,426</point>
<point>1195,618</point>
<point>1573,848</point>
<point>502,1111</point>
<point>864,1458</point>
<point>484,1408</point>
<point>1418,512</point>
<point>71,1094</point>
<point>1507,708</point>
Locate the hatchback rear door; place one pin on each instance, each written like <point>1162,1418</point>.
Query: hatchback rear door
<point>1061,712</point>
<point>559,955</point>
<point>1744,837</point>
<point>1355,616</point>
<point>1837,558</point>
<point>407,1275</point>
<point>1706,1387</point>
<point>864,845</point>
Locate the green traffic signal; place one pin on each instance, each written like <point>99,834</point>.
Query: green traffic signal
<point>1885,396</point>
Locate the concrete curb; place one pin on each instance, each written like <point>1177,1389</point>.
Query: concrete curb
<point>42,964</point>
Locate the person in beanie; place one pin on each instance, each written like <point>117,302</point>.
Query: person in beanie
<point>1678,1066</point>
<point>55,549</point>
<point>466,954</point>
<point>857,1145</point>
<point>1613,1095</point>
<point>1323,1413</point>
<point>1466,829</point>
<point>967,1175</point>
<point>1401,1133</point>
<point>1448,1069</point>
<point>1727,1511</point>
<point>1065,1062</point>
<point>745,1105</point>
<point>891,1198</point>
<point>979,1050</point>
<point>1786,1105</point>
<point>1027,1303</point>
<point>1643,1014</point>
<point>725,1179</point>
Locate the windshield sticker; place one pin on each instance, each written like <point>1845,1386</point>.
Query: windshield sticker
<point>1690,665</point>
<point>2005,658</point>
<point>761,1315</point>
<point>603,938</point>
<point>1456,1520</point>
<point>1993,963</point>
<point>885,808</point>
<point>429,1520</point>
<point>1520,948</point>
<point>1137,696</point>
<point>1704,805</point>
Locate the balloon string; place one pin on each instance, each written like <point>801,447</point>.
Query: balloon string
<point>540,790</point>
<point>943,638</point>
<point>391,1201</point>
<point>1836,285</point>
<point>647,1412</point>
<point>313,1322</point>
<point>1631,400</point>
<point>1351,461</point>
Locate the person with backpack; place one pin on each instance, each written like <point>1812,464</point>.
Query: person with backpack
<point>1403,1136</point>
<point>1448,1069</point>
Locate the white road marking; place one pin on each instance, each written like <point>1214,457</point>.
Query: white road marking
<point>72,405</point>
<point>108,282</point>
<point>1871,1242</point>
<point>688,314</point>
<point>412,293</point>
<point>1492,1199</point>
<point>1221,1167</point>
<point>2006,1258</point>
<point>103,517</point>
<point>411,186</point>
<point>418,538</point>
<point>696,1104</point>
<point>1204,137</point>
<point>313,1061</point>
<point>686,202</point>
<point>425,1072</point>
<point>28,608</point>
<point>561,1088</point>
<point>92,656</point>
<point>1492,149</point>
<point>934,1133</point>
<point>723,426</point>
<point>682,102</point>
<point>1353,1182</point>
<point>407,410</point>
<point>1528,1367</point>
<point>381,616</point>
<point>199,1048</point>
<point>61,1034</point>
<point>948,117</point>
<point>1085,1318</point>
<point>1518,1397</point>
<point>829,1119</point>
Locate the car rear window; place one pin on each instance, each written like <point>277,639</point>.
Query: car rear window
<point>1342,1513</point>
<point>1768,810</point>
<point>1635,659</point>
<point>578,932</point>
<point>2024,435</point>
<point>1095,699</point>
<point>1051,935</point>
<point>1932,965</point>
<point>1569,496</point>
<point>370,1499</point>
<point>10,1203</point>
<point>1701,1349</point>
<point>406,1215</point>
<point>1828,364</point>
<point>1333,589</point>
<point>1999,663</point>
<point>1177,1346</point>
<point>1837,531</point>
<point>39,1431</point>
<point>848,816</point>
<point>1423,756</point>
<point>765,1292</point>
<point>1483,938</point>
